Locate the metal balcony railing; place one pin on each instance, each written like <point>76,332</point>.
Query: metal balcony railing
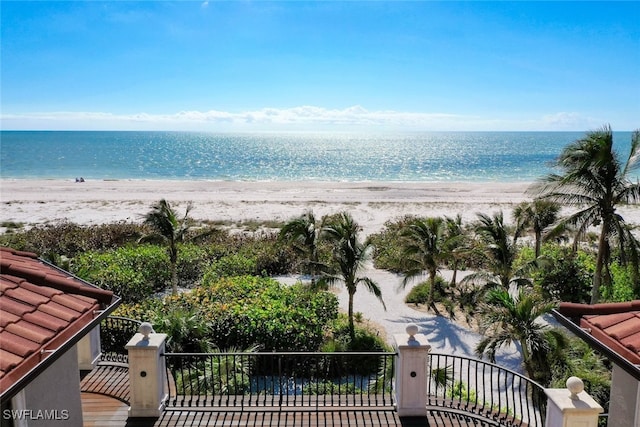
<point>115,333</point>
<point>279,379</point>
<point>485,389</point>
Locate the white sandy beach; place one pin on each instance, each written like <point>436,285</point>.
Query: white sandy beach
<point>371,204</point>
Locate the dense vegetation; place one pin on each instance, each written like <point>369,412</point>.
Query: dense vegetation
<point>505,274</point>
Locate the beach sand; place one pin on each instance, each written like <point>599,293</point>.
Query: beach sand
<point>371,204</point>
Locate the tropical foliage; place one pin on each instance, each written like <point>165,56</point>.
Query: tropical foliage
<point>498,252</point>
<point>536,216</point>
<point>243,312</point>
<point>349,258</point>
<point>132,273</point>
<point>516,319</point>
<point>566,275</point>
<point>596,181</point>
<point>424,251</point>
<point>169,229</point>
<point>303,233</point>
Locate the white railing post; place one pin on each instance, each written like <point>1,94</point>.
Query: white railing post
<point>571,406</point>
<point>147,373</point>
<point>411,374</point>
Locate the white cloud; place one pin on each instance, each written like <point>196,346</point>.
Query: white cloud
<point>569,121</point>
<point>304,117</point>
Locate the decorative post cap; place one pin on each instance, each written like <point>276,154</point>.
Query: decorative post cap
<point>146,329</point>
<point>575,387</point>
<point>412,330</point>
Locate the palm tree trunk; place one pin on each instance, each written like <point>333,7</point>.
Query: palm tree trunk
<point>526,359</point>
<point>174,279</point>
<point>432,287</point>
<point>352,328</point>
<point>597,276</point>
<point>454,277</point>
<point>538,243</point>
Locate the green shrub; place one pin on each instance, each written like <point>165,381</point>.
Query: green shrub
<point>366,340</point>
<point>220,374</point>
<point>580,360</point>
<point>272,256</point>
<point>133,273</point>
<point>247,310</point>
<point>70,239</point>
<point>419,294</point>
<point>622,288</point>
<point>187,330</point>
<point>231,266</point>
<point>193,262</point>
<point>564,275</point>
<point>388,244</point>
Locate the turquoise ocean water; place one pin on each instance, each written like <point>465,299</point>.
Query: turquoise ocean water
<point>408,157</point>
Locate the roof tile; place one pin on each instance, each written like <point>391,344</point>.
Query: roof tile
<point>41,307</point>
<point>12,306</point>
<point>8,360</point>
<point>30,331</point>
<point>7,318</point>
<point>625,328</point>
<point>616,325</point>
<point>42,290</point>
<point>77,303</point>
<point>632,342</point>
<point>16,344</point>
<point>47,320</point>
<point>5,285</point>
<point>27,296</point>
<point>60,311</point>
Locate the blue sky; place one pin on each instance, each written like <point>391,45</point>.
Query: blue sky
<point>325,65</point>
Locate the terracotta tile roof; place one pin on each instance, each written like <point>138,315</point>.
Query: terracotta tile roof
<point>616,325</point>
<point>41,309</point>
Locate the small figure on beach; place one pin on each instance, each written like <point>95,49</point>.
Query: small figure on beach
<point>81,179</point>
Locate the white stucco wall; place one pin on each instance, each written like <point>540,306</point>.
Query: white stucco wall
<point>89,350</point>
<point>624,406</point>
<point>53,399</point>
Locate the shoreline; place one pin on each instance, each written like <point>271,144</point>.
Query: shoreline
<point>38,201</point>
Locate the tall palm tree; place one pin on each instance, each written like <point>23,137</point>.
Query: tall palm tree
<point>536,216</point>
<point>632,257</point>
<point>499,252</point>
<point>596,181</point>
<point>168,229</point>
<point>455,244</point>
<point>304,233</point>
<point>424,250</point>
<point>515,319</point>
<point>349,258</point>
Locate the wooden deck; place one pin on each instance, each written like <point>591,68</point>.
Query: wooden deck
<point>104,411</point>
<point>105,394</point>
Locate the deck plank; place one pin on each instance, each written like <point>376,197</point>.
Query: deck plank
<point>105,396</point>
<point>103,411</point>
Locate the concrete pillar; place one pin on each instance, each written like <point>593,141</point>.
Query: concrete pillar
<point>147,373</point>
<point>571,406</point>
<point>89,350</point>
<point>411,373</point>
<point>624,405</point>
